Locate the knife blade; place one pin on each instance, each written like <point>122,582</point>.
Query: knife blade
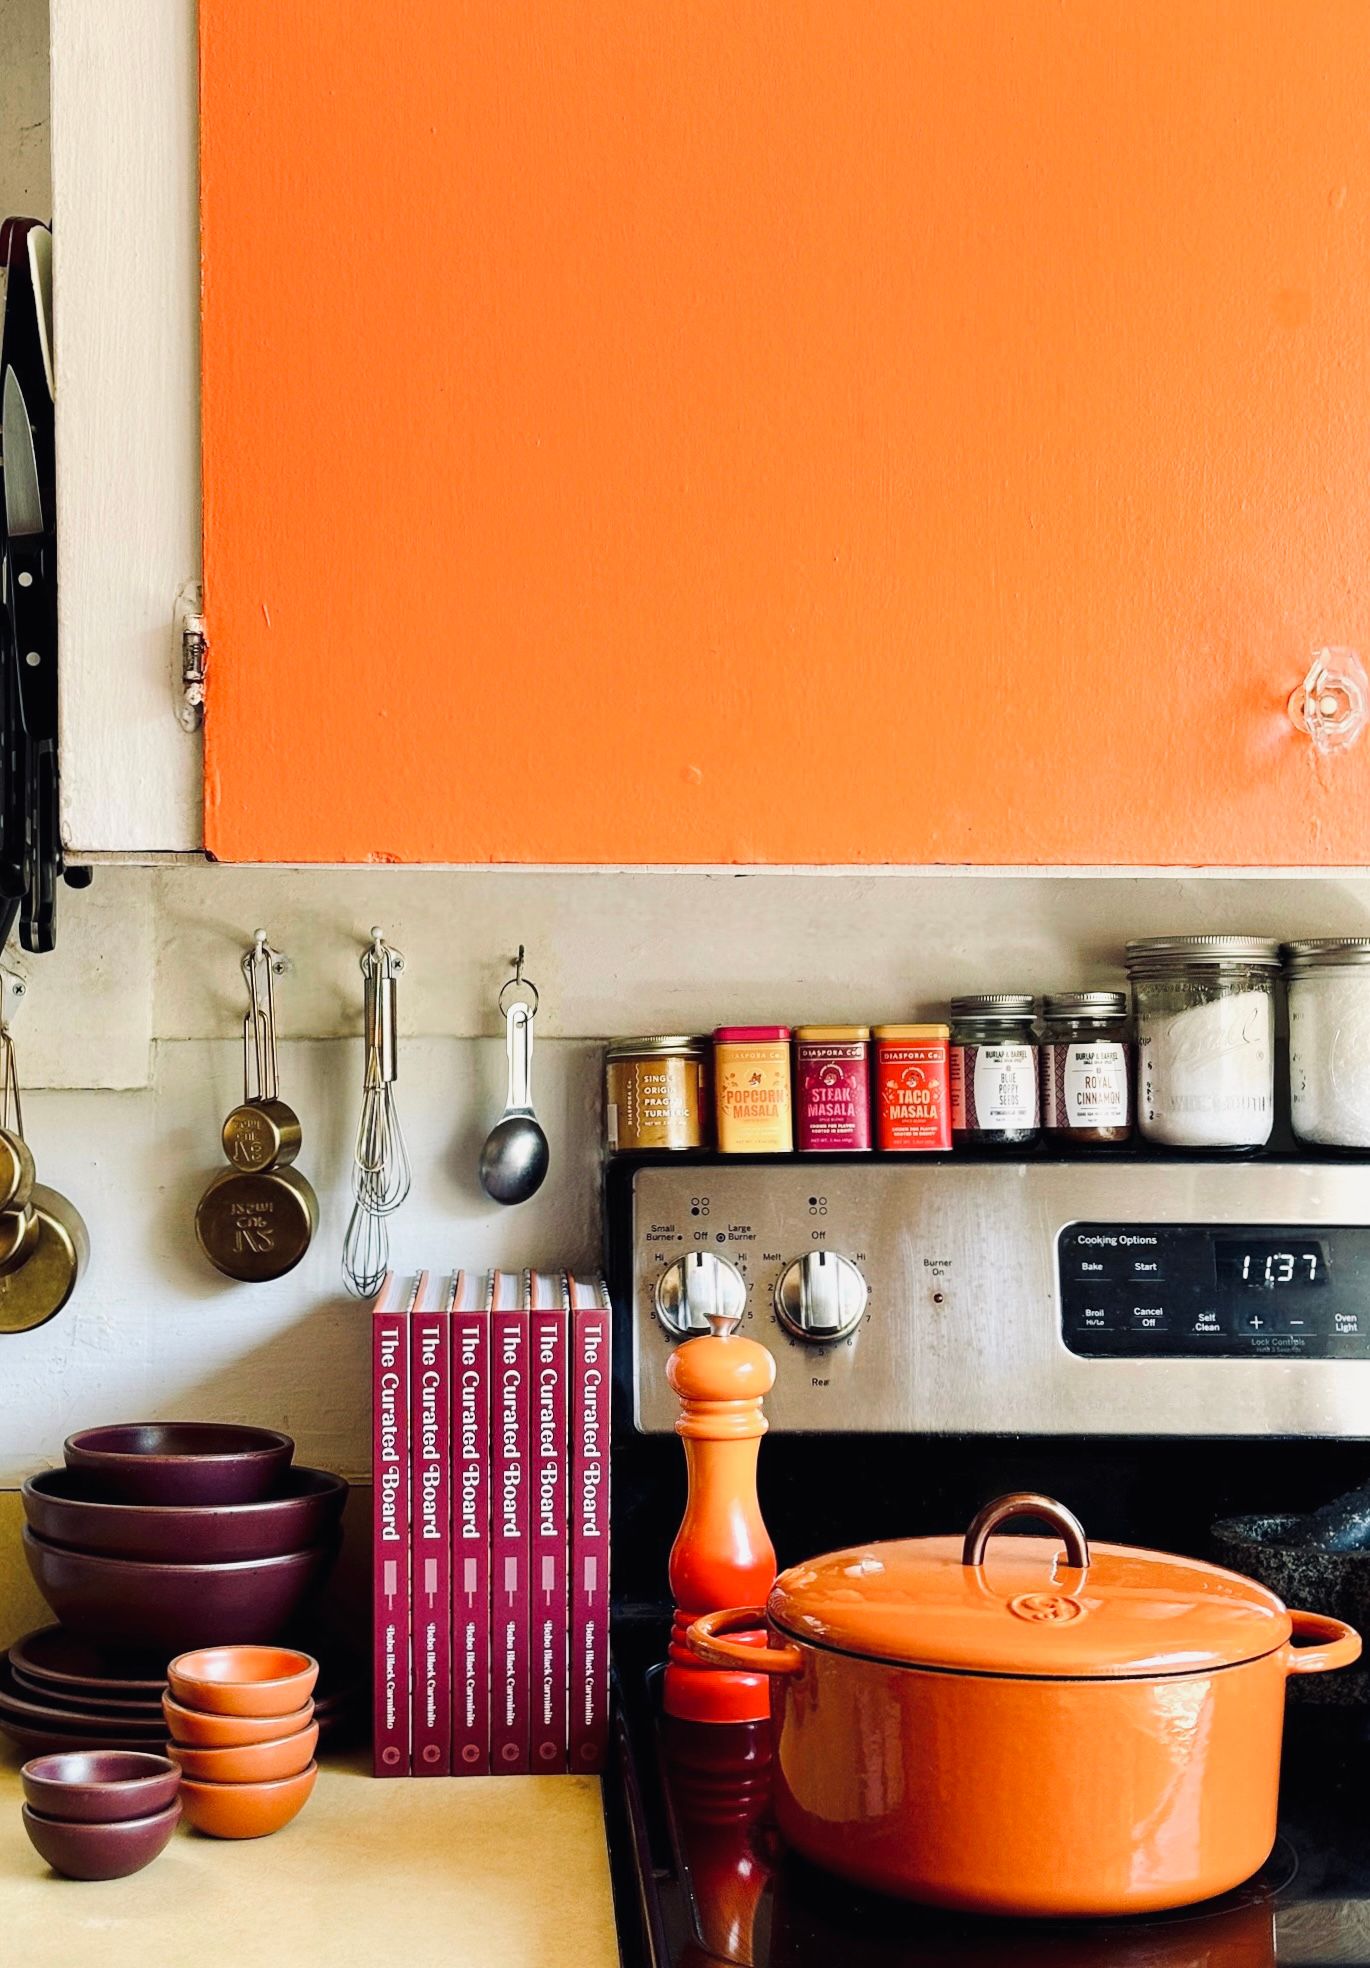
<point>23,500</point>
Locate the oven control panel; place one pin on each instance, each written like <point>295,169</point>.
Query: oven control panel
<point>1123,1294</point>
<point>1248,1291</point>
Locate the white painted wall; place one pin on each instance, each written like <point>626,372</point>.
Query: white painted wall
<point>129,1030</point>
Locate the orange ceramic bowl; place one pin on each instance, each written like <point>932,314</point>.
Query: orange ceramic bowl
<point>249,1763</point>
<point>199,1728</point>
<point>251,1810</point>
<point>243,1680</point>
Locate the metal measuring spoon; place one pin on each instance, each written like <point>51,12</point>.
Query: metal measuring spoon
<point>514,1160</point>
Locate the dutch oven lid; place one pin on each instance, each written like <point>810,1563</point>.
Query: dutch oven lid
<point>1026,1606</point>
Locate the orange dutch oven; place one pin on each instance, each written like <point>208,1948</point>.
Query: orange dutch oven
<point>1021,1729</point>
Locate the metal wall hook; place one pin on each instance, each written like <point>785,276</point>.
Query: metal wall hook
<point>518,988</point>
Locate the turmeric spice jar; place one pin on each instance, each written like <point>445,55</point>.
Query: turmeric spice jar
<point>656,1094</point>
<point>752,1089</point>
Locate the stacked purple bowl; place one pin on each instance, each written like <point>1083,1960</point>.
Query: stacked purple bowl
<point>155,1538</point>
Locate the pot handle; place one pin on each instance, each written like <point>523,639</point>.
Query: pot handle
<point>1343,1644</point>
<point>705,1638</point>
<point>1026,1503</point>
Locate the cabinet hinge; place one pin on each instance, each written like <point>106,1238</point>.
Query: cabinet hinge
<point>192,656</point>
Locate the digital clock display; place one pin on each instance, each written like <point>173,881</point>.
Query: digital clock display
<point>1259,1266</point>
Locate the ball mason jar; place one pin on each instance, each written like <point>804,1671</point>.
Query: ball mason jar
<point>1205,1017</point>
<point>1328,980</point>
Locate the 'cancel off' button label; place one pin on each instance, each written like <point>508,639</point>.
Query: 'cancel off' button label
<point>1147,1318</point>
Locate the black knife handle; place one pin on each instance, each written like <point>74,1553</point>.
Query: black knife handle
<point>33,617</point>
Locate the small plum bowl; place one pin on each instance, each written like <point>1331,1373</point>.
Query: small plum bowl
<point>100,1851</point>
<point>104,1786</point>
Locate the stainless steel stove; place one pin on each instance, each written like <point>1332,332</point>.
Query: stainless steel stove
<point>1160,1342</point>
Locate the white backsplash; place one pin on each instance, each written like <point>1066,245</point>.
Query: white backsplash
<point>128,1030</point>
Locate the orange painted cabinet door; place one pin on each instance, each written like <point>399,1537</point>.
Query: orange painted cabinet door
<point>684,431</point>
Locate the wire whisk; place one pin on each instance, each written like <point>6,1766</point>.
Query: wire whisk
<point>381,1173</point>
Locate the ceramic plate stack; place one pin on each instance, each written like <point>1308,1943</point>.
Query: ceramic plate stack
<point>155,1538</point>
<point>57,1692</point>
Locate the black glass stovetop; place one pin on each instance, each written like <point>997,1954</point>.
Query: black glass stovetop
<point>701,1878</point>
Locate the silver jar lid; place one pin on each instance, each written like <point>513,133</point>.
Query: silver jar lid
<point>1150,954</point>
<point>659,1046</point>
<point>1085,1004</point>
<point>994,1004</point>
<point>1325,952</point>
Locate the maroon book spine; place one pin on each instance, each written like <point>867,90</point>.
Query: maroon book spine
<point>431,1580</point>
<point>589,1720</point>
<point>510,1731</point>
<point>390,1527</point>
<point>550,1556</point>
<point>471,1537</point>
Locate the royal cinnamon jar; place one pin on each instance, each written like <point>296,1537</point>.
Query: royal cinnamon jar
<point>752,1089</point>
<point>1086,1066</point>
<point>912,1099</point>
<point>993,1071</point>
<point>832,1087</point>
<point>656,1093</point>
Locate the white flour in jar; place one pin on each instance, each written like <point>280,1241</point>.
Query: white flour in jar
<point>1329,1056</point>
<point>1206,1075</point>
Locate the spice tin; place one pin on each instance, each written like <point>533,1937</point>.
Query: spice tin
<point>832,1087</point>
<point>752,1089</point>
<point>656,1093</point>
<point>912,1107</point>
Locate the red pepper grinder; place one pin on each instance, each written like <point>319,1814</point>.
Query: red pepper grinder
<point>722,1555</point>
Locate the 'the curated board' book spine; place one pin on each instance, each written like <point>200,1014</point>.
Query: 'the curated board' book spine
<point>430,1550</point>
<point>589,1428</point>
<point>471,1470</point>
<point>547,1339</point>
<point>510,1730</point>
<point>390,1523</point>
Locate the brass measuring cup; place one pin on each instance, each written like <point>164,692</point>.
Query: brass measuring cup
<point>257,1218</point>
<point>44,1246</point>
<point>264,1131</point>
<point>19,1228</point>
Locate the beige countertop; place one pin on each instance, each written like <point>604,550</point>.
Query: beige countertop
<point>484,1870</point>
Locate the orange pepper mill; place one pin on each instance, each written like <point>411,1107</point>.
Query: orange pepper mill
<point>723,1555</point>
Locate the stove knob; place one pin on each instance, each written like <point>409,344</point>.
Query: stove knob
<point>695,1288</point>
<point>821,1297</point>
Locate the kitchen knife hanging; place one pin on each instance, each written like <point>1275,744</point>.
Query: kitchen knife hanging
<point>30,841</point>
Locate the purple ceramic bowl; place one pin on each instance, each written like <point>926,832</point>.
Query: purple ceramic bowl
<point>64,1507</point>
<point>194,1462</point>
<point>123,1602</point>
<point>100,1851</point>
<point>102,1786</point>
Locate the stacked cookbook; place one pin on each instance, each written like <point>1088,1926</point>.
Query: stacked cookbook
<point>490,1437</point>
